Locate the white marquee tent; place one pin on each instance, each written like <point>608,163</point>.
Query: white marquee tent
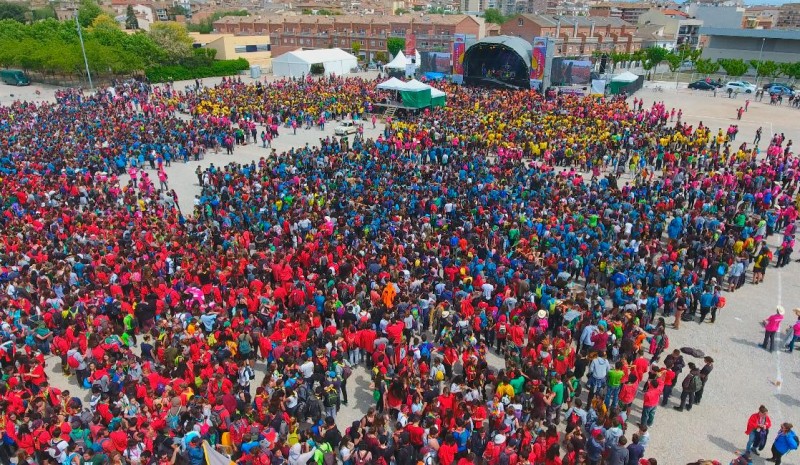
<point>393,84</point>
<point>298,63</point>
<point>400,60</point>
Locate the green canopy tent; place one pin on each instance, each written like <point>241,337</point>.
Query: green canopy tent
<point>416,94</point>
<point>437,97</point>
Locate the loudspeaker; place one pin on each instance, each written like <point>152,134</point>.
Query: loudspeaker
<point>603,63</point>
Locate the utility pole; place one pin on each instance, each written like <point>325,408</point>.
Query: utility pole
<point>83,49</point>
<point>760,54</point>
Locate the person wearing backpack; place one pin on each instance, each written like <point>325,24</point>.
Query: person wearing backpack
<point>785,442</point>
<point>690,385</point>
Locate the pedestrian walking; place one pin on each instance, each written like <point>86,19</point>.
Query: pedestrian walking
<point>739,113</point>
<point>794,332</point>
<point>771,326</point>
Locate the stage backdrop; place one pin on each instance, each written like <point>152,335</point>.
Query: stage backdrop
<point>459,47</point>
<point>567,72</point>
<point>435,62</point>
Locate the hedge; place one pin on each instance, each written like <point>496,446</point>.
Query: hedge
<point>183,73</point>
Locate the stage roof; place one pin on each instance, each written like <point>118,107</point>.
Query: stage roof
<point>522,47</point>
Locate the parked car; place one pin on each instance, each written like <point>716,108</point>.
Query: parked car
<point>770,84</point>
<point>740,86</point>
<point>780,89</point>
<point>15,77</point>
<point>702,85</point>
<point>346,127</point>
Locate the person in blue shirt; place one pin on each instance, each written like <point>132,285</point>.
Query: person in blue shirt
<point>785,442</point>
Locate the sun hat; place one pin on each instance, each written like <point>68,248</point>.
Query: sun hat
<point>541,314</point>
<point>781,310</point>
<point>499,438</point>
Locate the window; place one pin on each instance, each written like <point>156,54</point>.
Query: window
<point>263,48</point>
<point>240,49</point>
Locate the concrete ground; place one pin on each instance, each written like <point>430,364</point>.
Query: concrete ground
<point>745,376</point>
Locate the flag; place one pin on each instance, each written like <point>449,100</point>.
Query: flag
<point>215,458</point>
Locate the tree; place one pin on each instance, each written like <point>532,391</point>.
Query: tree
<point>765,68</point>
<point>317,69</point>
<point>706,67</point>
<point>734,67</point>
<point>87,12</point>
<point>355,47</point>
<point>494,16</point>
<point>674,61</point>
<point>395,44</point>
<point>177,10</point>
<point>15,11</point>
<point>382,57</point>
<point>131,22</point>
<point>791,70</point>
<point>174,39</point>
<point>653,56</point>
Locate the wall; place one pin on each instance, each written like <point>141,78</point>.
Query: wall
<point>749,48</point>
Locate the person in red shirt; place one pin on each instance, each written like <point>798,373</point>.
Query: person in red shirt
<point>627,393</point>
<point>448,450</point>
<point>651,397</point>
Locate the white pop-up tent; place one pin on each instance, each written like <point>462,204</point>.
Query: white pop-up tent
<point>298,63</point>
<point>393,84</point>
<point>400,61</point>
<point>627,76</point>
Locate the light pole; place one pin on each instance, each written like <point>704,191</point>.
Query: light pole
<point>83,49</point>
<point>760,54</point>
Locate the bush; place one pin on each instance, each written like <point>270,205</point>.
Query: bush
<point>317,69</point>
<point>182,73</point>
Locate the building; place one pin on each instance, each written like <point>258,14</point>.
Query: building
<point>576,35</point>
<point>677,24</point>
<point>433,33</point>
<point>625,11</point>
<point>752,44</point>
<point>789,16</point>
<point>760,17</point>
<point>567,8</point>
<point>716,16</point>
<point>256,49</point>
<point>514,7</point>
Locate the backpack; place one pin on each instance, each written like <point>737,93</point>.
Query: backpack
<point>503,329</point>
<point>329,457</point>
<point>503,459</point>
<point>696,384</point>
<point>73,362</point>
<point>721,302</point>
<point>173,419</point>
<point>574,420</point>
<point>665,341</point>
<point>215,418</point>
<point>244,346</point>
<point>293,438</point>
<point>346,372</point>
<point>332,396</point>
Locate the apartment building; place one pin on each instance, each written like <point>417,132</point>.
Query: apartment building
<point>626,11</point>
<point>789,16</point>
<point>576,35</point>
<point>287,33</point>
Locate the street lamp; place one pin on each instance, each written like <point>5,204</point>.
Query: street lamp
<point>760,53</point>
<point>83,49</point>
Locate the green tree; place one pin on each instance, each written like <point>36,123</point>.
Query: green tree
<point>395,44</point>
<point>734,67</point>
<point>177,10</point>
<point>494,16</point>
<point>131,22</point>
<point>382,57</point>
<point>355,47</point>
<point>15,11</point>
<point>48,12</point>
<point>143,46</point>
<point>706,67</point>
<point>88,11</point>
<point>791,70</point>
<point>674,62</point>
<point>174,39</point>
<point>653,56</point>
<point>766,68</point>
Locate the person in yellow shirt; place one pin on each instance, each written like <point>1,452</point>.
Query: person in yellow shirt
<point>504,389</point>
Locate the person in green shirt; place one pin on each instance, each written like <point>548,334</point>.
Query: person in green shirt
<point>518,384</point>
<point>614,383</point>
<point>557,388</point>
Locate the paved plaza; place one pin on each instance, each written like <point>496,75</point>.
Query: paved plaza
<point>745,375</point>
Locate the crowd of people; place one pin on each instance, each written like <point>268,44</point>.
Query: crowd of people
<point>507,271</point>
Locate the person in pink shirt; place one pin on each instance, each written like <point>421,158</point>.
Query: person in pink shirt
<point>771,326</point>
<point>795,333</point>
